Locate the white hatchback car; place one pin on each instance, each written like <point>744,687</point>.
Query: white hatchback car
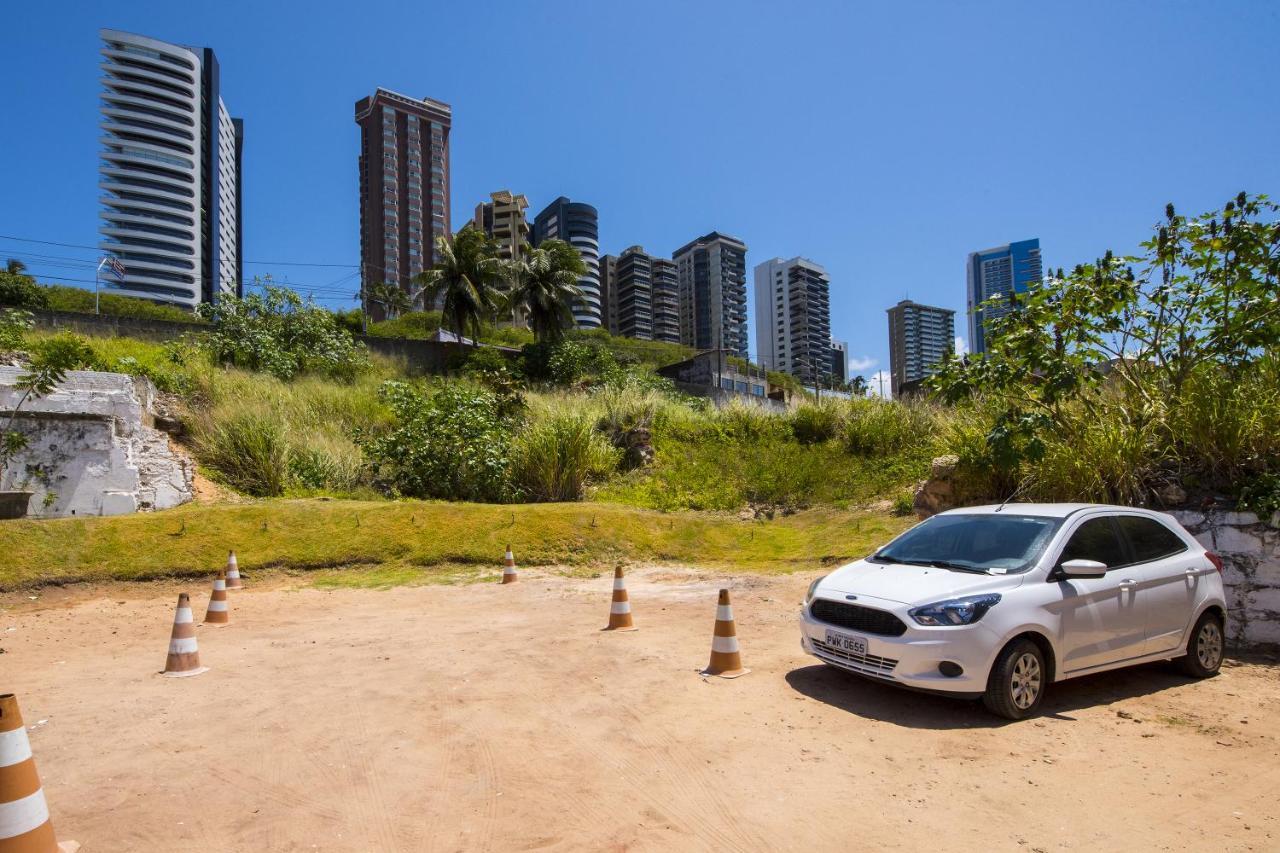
<point>998,602</point>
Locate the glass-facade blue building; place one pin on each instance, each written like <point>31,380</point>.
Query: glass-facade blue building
<point>1001,271</point>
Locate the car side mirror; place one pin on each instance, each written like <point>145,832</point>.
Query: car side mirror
<point>1084,569</point>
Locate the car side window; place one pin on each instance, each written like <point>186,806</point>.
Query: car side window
<point>1150,539</point>
<point>1096,540</point>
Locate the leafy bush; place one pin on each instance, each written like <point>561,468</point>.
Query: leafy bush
<point>248,451</point>
<point>1129,373</point>
<point>451,444</point>
<point>278,333</point>
<point>21,291</point>
<point>555,459</point>
<point>14,326</point>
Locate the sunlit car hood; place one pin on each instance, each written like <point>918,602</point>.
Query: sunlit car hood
<point>911,585</point>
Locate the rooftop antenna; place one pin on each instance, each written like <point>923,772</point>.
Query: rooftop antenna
<point>1026,481</point>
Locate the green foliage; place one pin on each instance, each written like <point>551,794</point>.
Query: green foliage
<point>391,297</point>
<point>467,280</point>
<point>1262,495</point>
<point>555,459</point>
<point>545,285</point>
<point>278,333</point>
<point>248,451</point>
<point>80,301</point>
<point>449,444</point>
<point>1129,373</point>
<point>14,326</point>
<point>813,423</point>
<point>19,290</point>
<point>874,427</point>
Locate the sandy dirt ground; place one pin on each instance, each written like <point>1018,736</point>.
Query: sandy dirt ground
<point>484,717</point>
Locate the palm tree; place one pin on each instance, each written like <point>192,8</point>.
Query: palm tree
<point>467,275</point>
<point>545,284</point>
<point>15,267</point>
<point>393,300</point>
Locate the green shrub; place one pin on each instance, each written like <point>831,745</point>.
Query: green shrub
<point>813,423</point>
<point>451,444</point>
<point>14,326</point>
<point>81,301</point>
<point>248,451</point>
<point>874,427</point>
<point>555,459</point>
<point>278,333</point>
<point>21,291</point>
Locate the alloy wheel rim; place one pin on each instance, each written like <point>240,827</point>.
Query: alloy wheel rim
<point>1209,645</point>
<point>1025,682</point>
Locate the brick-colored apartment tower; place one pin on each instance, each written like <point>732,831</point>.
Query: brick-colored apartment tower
<point>404,185</point>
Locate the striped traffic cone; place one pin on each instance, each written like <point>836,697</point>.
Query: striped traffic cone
<point>184,656</point>
<point>217,614</point>
<point>620,609</point>
<point>726,662</point>
<point>24,815</point>
<point>509,567</point>
<point>233,573</point>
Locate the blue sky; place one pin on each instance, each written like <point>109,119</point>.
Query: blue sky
<point>883,140</point>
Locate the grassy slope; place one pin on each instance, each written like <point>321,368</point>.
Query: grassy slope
<point>315,534</point>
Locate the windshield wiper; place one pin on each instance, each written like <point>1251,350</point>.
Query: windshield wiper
<point>933,564</point>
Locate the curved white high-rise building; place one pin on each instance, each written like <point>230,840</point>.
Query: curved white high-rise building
<point>169,172</point>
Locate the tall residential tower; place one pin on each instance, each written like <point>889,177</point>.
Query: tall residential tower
<point>712,275</point>
<point>169,172</point>
<point>793,318</point>
<point>502,218</point>
<point>577,224</point>
<point>404,185</point>
<point>920,337</point>
<point>1001,271</point>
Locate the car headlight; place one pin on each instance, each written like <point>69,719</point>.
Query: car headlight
<point>813,587</point>
<point>956,611</point>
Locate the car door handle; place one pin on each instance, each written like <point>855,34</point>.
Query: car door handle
<point>1193,573</point>
<point>1127,583</point>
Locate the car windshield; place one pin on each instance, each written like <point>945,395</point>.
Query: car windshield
<point>976,542</point>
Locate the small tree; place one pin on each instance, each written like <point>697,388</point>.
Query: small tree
<point>277,332</point>
<point>392,298</point>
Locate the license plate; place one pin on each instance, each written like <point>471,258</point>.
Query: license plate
<point>846,643</point>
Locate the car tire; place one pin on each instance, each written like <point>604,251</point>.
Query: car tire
<point>1205,647</point>
<point>1016,685</point>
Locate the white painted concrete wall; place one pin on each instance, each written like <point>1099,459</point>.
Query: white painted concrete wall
<point>93,448</point>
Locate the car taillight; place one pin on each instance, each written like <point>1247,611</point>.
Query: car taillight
<point>1215,559</point>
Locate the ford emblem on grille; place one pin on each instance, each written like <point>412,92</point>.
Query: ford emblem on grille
<point>852,597</point>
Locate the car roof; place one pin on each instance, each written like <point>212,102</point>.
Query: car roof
<point>1047,510</point>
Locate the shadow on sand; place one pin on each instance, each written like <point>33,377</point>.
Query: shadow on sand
<point>875,700</point>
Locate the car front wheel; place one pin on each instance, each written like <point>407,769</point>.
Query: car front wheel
<point>1017,682</point>
<point>1205,648</point>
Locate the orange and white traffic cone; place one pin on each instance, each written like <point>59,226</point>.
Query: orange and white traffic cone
<point>726,661</point>
<point>509,567</point>
<point>233,573</point>
<point>218,614</point>
<point>184,655</point>
<point>620,609</point>
<point>24,814</point>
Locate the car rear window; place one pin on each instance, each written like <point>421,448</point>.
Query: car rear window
<point>1150,539</point>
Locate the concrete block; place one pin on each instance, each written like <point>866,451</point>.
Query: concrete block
<point>1237,519</point>
<point>118,503</point>
<point>1231,540</point>
<point>1265,600</point>
<point>1188,517</point>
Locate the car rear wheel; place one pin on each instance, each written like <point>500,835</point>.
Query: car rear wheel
<point>1204,648</point>
<point>1017,682</point>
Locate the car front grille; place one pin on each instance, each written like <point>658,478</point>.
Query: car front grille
<point>864,664</point>
<point>855,617</point>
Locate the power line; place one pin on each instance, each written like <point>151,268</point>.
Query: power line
<point>99,249</point>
